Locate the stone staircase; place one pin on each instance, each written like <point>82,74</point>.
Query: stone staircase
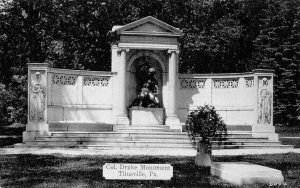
<point>136,138</point>
<point>240,137</point>
<point>244,140</point>
<point>155,138</point>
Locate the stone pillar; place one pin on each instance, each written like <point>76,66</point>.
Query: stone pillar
<point>172,119</point>
<point>263,107</point>
<point>37,102</point>
<point>122,116</point>
<point>114,80</point>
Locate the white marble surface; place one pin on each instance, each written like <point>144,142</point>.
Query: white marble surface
<point>144,116</point>
<point>240,173</point>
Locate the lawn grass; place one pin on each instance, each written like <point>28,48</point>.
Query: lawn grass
<point>285,131</point>
<point>86,171</point>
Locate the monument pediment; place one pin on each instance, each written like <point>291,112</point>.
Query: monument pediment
<point>148,26</point>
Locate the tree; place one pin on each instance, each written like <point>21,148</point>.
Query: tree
<point>278,47</point>
<point>219,36</point>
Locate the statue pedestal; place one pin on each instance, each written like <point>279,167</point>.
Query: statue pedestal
<point>265,131</point>
<point>173,122</point>
<point>35,129</point>
<point>146,116</point>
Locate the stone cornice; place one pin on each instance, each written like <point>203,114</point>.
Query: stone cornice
<point>164,34</point>
<point>148,46</point>
<point>81,72</point>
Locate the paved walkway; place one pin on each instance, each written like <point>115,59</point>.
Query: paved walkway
<point>289,137</point>
<point>254,151</point>
<point>9,136</point>
<point>75,152</point>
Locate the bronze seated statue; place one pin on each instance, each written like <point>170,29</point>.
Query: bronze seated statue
<point>147,97</point>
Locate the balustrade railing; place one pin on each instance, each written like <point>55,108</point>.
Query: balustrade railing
<point>239,97</point>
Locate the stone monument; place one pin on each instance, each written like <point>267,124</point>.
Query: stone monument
<point>145,87</point>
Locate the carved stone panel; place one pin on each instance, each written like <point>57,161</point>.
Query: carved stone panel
<point>63,79</point>
<point>192,83</point>
<point>249,82</point>
<point>226,83</point>
<point>37,96</point>
<point>264,101</point>
<point>100,81</point>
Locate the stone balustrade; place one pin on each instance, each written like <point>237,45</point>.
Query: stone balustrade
<point>77,95</point>
<point>240,98</point>
<point>72,95</point>
<point>59,95</point>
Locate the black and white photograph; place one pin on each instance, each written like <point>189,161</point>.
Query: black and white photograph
<point>150,93</point>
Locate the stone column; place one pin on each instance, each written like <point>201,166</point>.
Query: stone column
<point>122,116</point>
<point>172,119</point>
<point>37,102</point>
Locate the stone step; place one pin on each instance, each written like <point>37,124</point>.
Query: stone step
<point>246,143</point>
<point>145,125</point>
<point>247,139</point>
<point>147,129</point>
<point>239,132</point>
<point>238,140</point>
<point>112,139</point>
<point>121,150</point>
<point>151,138</point>
<point>79,126</point>
<point>239,135</point>
<point>132,137</point>
<point>117,134</point>
<point>251,147</point>
<point>151,143</point>
<point>110,144</point>
<point>136,147</point>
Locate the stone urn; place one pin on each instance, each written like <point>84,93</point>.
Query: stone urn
<point>204,157</point>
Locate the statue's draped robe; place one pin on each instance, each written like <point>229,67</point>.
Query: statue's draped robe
<point>264,112</point>
<point>37,101</point>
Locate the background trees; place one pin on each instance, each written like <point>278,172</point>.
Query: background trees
<point>219,36</point>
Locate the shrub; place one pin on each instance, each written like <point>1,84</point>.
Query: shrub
<point>204,122</point>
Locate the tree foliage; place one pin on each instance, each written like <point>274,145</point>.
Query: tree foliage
<point>219,36</point>
<point>278,47</point>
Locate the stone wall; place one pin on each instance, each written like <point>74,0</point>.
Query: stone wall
<point>77,96</point>
<point>236,97</point>
<point>89,96</point>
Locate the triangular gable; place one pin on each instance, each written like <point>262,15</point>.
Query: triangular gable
<point>150,26</point>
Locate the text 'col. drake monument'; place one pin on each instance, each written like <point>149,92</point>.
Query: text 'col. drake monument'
<point>143,95</point>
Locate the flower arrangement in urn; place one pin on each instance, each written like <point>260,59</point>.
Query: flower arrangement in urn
<point>205,124</point>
